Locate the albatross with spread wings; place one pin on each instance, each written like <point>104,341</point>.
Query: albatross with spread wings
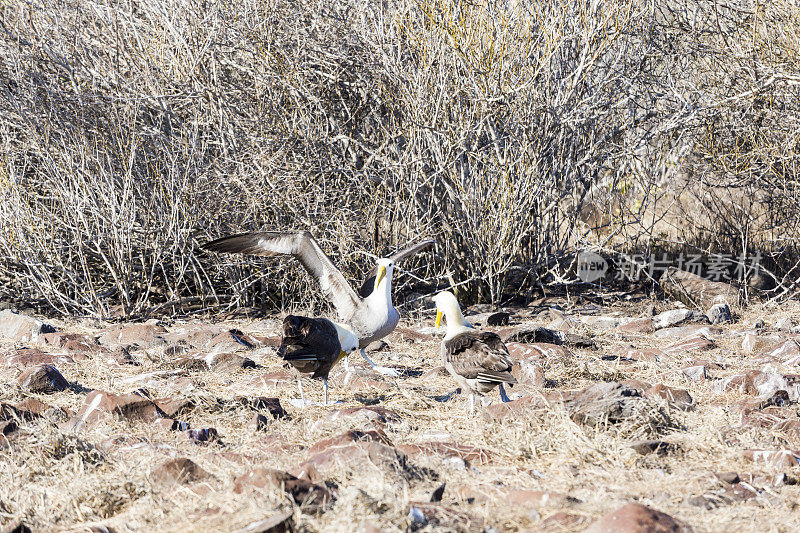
<point>477,360</point>
<point>371,315</point>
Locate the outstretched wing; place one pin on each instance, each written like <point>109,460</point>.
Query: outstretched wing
<point>369,284</point>
<point>303,246</point>
<point>479,355</point>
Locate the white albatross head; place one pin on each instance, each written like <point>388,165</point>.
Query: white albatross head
<point>385,270</point>
<point>447,305</point>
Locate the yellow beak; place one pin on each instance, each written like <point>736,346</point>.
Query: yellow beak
<point>341,356</point>
<point>381,275</point>
<point>438,318</point>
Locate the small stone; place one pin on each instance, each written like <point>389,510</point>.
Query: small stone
<point>43,379</point>
<point>202,435</point>
<point>260,422</point>
<point>531,334</point>
<point>302,491</point>
<point>720,314</point>
<point>377,346</point>
<point>678,398</point>
<point>637,518</point>
<point>658,447</point>
<point>228,362</point>
<point>675,317</point>
<point>180,470</point>
<point>694,373</point>
<point>499,318</point>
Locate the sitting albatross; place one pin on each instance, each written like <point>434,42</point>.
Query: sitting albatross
<point>371,316</point>
<point>314,345</point>
<point>477,360</point>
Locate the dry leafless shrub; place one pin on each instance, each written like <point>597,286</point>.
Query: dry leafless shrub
<point>132,132</point>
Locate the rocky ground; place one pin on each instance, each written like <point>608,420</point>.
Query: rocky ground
<point>631,416</point>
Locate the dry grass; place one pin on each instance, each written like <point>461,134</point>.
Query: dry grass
<point>55,481</point>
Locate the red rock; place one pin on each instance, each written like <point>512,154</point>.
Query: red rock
<point>678,398</point>
<point>604,403</point>
<point>141,335</point>
<point>641,326</point>
<point>477,456</point>
<point>172,407</point>
<point>354,382</point>
<point>364,457</point>
<point>303,492</point>
<point>437,372</point>
<point>526,404</point>
<point>649,355</point>
<point>100,403</point>
<point>31,408</point>
<point>21,328</point>
<point>563,521</point>
<point>180,470</point>
<point>43,379</point>
<point>274,380</point>
<point>539,350</point>
<point>637,384</point>
<point>636,518</point>
<point>690,345</point>
<point>32,356</point>
<point>745,383</point>
<point>694,290</point>
<point>72,342</point>
<point>405,334</point>
<point>528,372</point>
<point>774,458</point>
<point>728,494</point>
<point>785,351</point>
<point>349,437</point>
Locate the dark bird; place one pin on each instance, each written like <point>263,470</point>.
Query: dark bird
<point>314,345</point>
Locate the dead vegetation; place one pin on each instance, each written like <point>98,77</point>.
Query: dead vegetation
<point>513,132</point>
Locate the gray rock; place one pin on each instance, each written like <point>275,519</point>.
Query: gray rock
<point>698,292</point>
<point>605,402</point>
<point>527,333</point>
<point>22,328</point>
<point>675,317</point>
<point>784,324</point>
<point>720,314</point>
<point>694,373</point>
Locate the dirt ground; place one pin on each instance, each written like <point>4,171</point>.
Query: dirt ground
<point>537,464</point>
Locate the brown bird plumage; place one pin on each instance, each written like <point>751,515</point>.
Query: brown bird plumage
<point>477,360</point>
